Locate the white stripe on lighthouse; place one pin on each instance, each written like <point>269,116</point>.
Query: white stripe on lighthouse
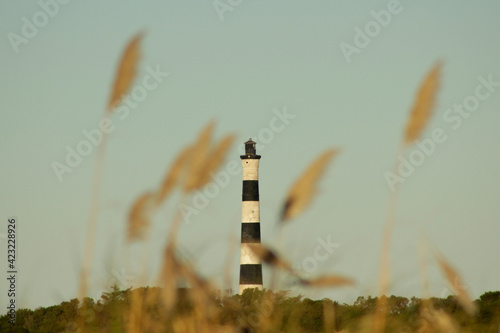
<point>247,255</point>
<point>250,211</point>
<point>250,169</point>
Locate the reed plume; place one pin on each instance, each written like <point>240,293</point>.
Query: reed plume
<point>198,158</point>
<point>423,106</point>
<point>455,281</point>
<point>217,156</point>
<point>304,189</point>
<point>123,80</point>
<point>174,175</point>
<point>419,117</point>
<point>126,71</point>
<point>328,281</point>
<point>270,257</point>
<point>139,216</point>
<point>192,168</point>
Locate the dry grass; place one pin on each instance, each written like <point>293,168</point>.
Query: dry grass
<point>123,80</point>
<point>191,171</point>
<point>305,188</point>
<point>328,281</point>
<point>423,107</point>
<point>417,121</point>
<point>456,282</point>
<point>174,175</point>
<point>199,157</point>
<point>126,72</point>
<point>216,157</point>
<point>139,216</point>
<point>270,257</point>
<point>329,317</point>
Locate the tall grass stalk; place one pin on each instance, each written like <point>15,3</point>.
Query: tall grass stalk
<point>123,80</point>
<point>418,119</point>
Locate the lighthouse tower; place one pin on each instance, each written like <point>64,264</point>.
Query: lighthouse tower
<point>250,264</point>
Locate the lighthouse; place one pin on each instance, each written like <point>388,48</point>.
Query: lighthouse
<point>250,263</point>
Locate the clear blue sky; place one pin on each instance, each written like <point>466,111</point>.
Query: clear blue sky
<point>262,56</point>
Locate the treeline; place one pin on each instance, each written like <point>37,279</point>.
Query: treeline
<point>251,312</point>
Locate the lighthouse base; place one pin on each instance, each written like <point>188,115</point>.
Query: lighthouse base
<point>249,286</point>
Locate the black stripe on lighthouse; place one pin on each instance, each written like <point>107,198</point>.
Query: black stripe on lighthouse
<point>250,232</point>
<point>250,190</point>
<point>251,274</point>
